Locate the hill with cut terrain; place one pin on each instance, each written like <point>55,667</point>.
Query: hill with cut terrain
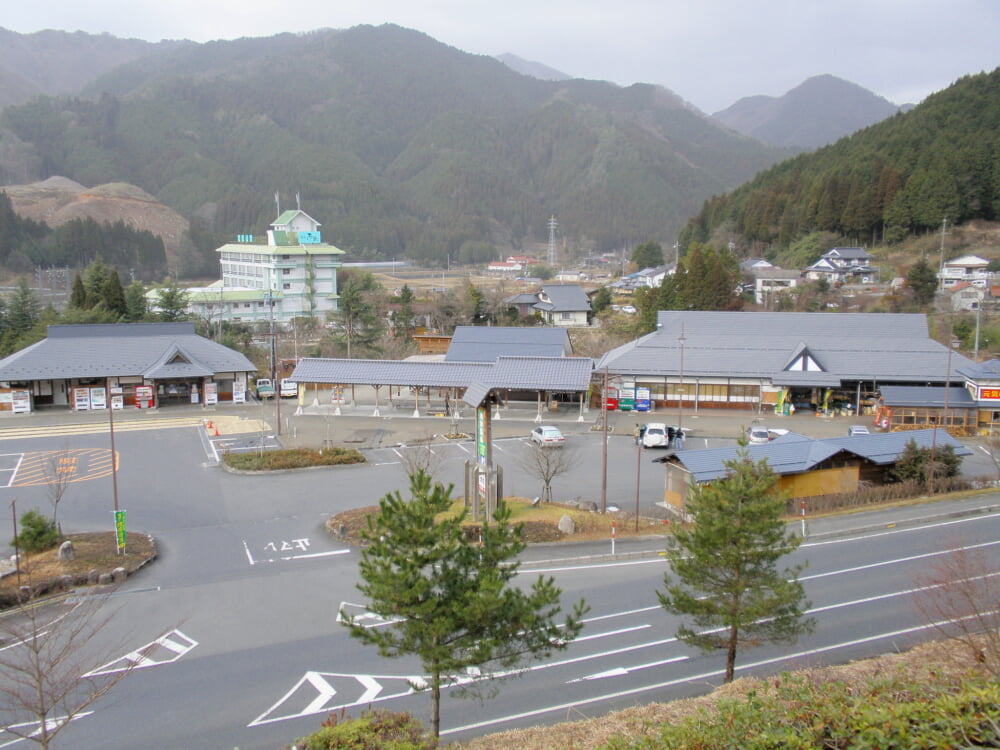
<point>58,200</point>
<point>819,111</point>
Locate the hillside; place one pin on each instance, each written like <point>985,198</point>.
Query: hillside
<point>58,62</point>
<point>819,111</point>
<point>897,178</point>
<point>395,142</point>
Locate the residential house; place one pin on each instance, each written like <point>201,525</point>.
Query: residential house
<point>844,265</point>
<point>968,268</point>
<point>565,305</point>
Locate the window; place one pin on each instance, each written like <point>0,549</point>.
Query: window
<point>286,271</point>
<point>286,285</point>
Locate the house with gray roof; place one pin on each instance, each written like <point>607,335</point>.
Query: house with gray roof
<point>844,264</point>
<point>805,467</point>
<point>125,364</point>
<point>486,343</point>
<point>763,361</point>
<point>565,305</point>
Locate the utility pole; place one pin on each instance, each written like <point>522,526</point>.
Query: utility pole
<point>944,226</point>
<point>553,224</point>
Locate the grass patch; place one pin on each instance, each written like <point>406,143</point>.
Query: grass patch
<point>292,458</point>
<point>540,522</point>
<point>94,551</point>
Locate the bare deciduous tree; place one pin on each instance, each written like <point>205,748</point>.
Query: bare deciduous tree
<point>417,458</point>
<point>960,597</point>
<point>546,464</point>
<point>46,653</point>
<point>60,468</point>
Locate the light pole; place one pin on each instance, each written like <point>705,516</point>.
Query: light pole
<point>680,388</point>
<point>274,361</point>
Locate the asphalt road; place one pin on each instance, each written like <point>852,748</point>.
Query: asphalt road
<point>246,595</point>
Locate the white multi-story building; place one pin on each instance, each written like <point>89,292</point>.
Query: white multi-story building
<point>970,268</point>
<point>291,275</point>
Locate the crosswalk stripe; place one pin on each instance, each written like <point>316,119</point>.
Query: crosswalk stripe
<point>14,433</point>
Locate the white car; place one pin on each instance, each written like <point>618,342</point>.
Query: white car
<point>758,434</point>
<point>656,436</point>
<point>857,429</point>
<point>288,388</point>
<point>547,435</point>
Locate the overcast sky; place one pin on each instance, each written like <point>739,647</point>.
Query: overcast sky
<point>710,52</point>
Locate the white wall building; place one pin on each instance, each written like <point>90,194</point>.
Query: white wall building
<point>291,275</point>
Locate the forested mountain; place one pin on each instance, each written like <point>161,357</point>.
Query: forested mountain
<point>58,62</point>
<point>815,113</point>
<point>903,175</point>
<point>394,141</point>
<point>532,68</point>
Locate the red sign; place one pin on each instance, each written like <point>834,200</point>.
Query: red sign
<point>989,393</point>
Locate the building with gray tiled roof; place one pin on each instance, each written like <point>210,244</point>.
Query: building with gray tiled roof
<point>486,343</point>
<point>759,359</point>
<point>806,467</point>
<point>565,305</point>
<point>85,366</point>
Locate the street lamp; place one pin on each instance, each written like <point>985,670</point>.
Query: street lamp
<point>680,388</point>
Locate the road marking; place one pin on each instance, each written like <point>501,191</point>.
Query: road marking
<point>911,558</point>
<point>53,722</point>
<point>130,425</point>
<point>151,655</point>
<point>38,468</point>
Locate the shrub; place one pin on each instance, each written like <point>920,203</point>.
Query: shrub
<point>373,730</point>
<point>38,533</point>
<point>292,458</point>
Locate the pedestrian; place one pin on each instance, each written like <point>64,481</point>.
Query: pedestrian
<point>637,433</point>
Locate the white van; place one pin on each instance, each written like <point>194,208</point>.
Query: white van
<point>289,388</point>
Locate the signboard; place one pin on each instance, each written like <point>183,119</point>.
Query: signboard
<point>120,528</point>
<point>482,446</point>
<point>20,402</point>
<point>81,399</point>
<point>239,392</point>
<point>309,238</point>
<point>642,399</point>
<point>6,397</point>
<point>144,397</point>
<point>211,393</point>
<point>989,394</point>
<point>117,401</point>
<point>98,398</point>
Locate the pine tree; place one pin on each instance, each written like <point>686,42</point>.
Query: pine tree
<point>923,281</point>
<point>724,565</point>
<point>78,296</point>
<point>449,599</point>
<point>113,295</point>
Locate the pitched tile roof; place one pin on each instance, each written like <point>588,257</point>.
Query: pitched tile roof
<point>112,350</point>
<point>927,396</point>
<point>486,343</point>
<point>515,373</point>
<point>796,454</point>
<point>880,347</point>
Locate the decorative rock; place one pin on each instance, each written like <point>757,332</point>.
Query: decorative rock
<point>92,577</point>
<point>589,505</point>
<point>566,525</point>
<point>104,579</point>
<point>66,551</point>
<point>118,575</point>
<point>65,582</point>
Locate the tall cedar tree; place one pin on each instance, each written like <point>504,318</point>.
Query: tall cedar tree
<point>356,313</point>
<point>725,575</point>
<point>449,599</point>
<point>922,280</point>
<point>648,255</point>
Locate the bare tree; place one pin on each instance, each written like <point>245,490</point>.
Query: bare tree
<point>546,464</point>
<point>959,596</point>
<point>60,468</point>
<point>417,458</point>
<point>47,651</point>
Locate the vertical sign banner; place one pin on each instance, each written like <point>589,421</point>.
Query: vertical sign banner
<point>482,447</point>
<point>120,528</point>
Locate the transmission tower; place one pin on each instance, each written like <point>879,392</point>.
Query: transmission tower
<point>553,225</point>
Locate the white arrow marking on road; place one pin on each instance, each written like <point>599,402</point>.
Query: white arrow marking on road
<point>372,688</point>
<point>622,671</point>
<point>52,723</point>
<point>325,689</point>
<point>174,641</point>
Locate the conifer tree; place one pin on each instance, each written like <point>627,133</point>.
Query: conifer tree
<point>923,282</point>
<point>725,576</point>
<point>449,598</point>
<point>78,296</point>
<point>113,295</point>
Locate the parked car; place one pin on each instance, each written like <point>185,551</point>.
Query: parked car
<point>288,388</point>
<point>857,429</point>
<point>265,388</point>
<point>656,436</point>
<point>547,435</point>
<point>758,434</point>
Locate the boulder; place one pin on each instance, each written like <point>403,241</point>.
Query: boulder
<point>92,577</point>
<point>104,579</point>
<point>66,551</point>
<point>118,575</point>
<point>566,525</point>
